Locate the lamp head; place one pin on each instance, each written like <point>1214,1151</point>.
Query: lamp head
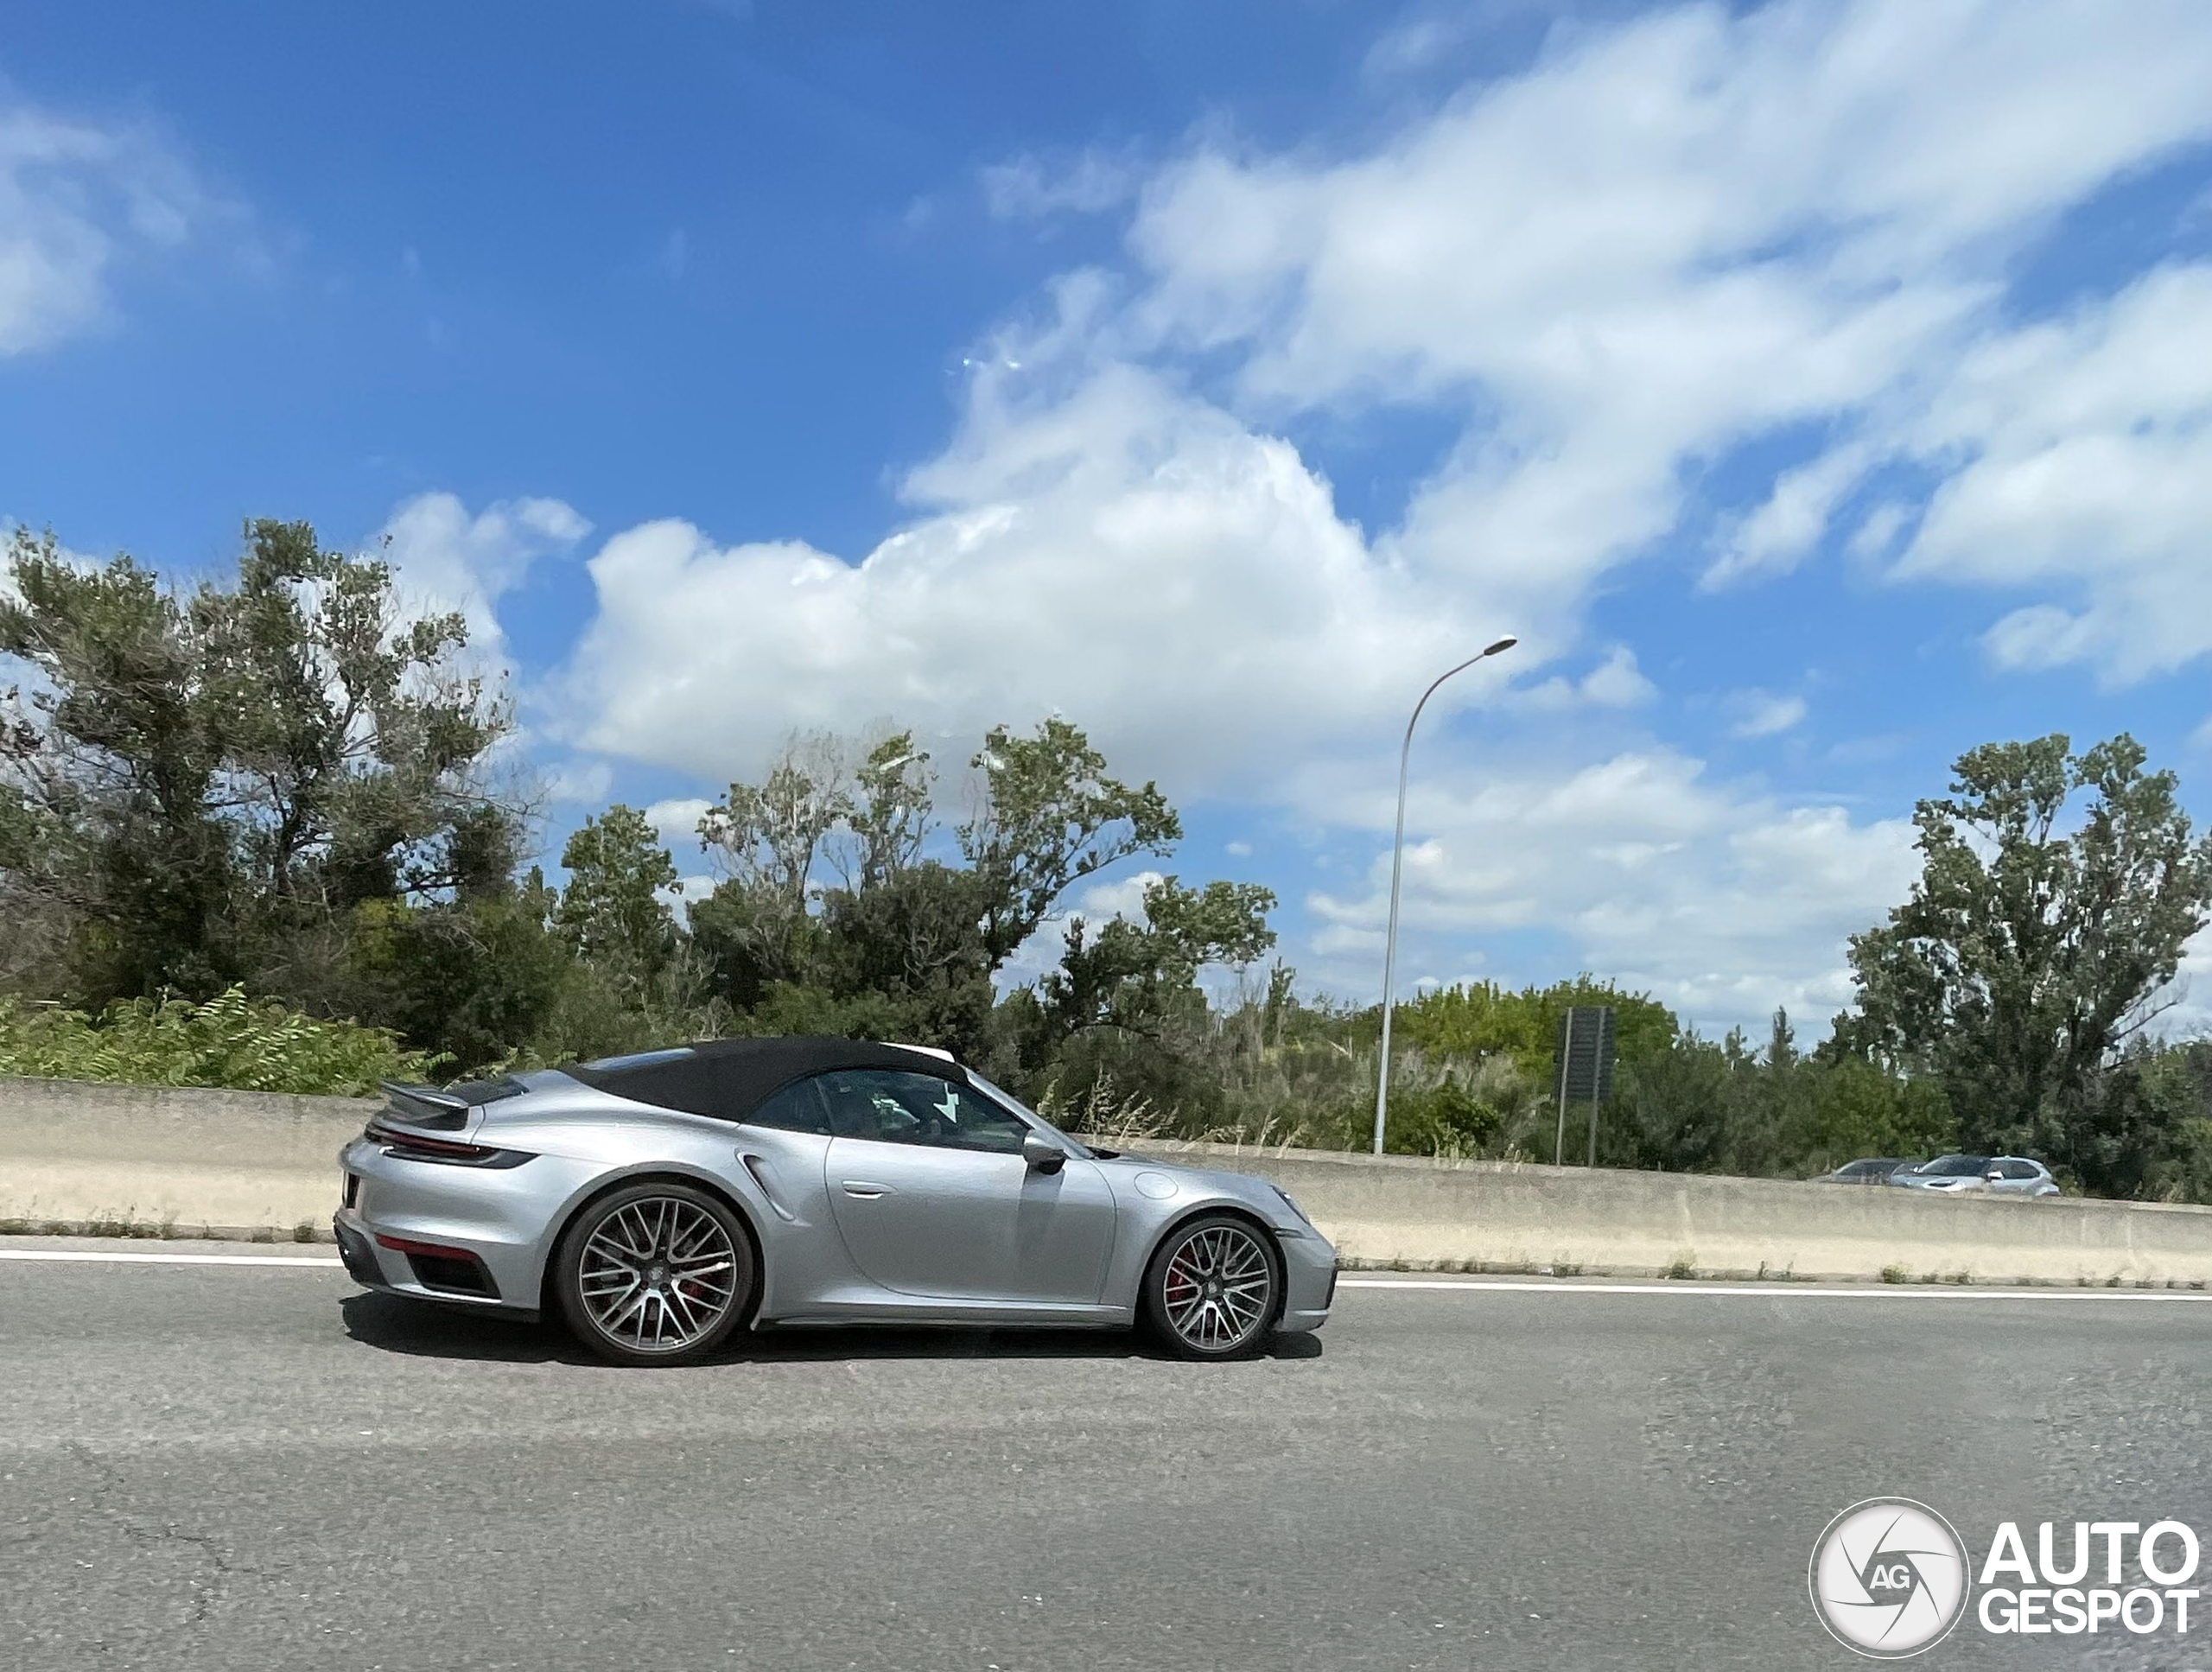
<point>1504,644</point>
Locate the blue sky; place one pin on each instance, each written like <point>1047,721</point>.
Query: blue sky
<point>1819,390</point>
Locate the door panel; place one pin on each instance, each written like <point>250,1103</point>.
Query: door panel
<point>963,1224</point>
<point>1062,1236</point>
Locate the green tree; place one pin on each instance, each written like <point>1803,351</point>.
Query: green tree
<point>765,839</point>
<point>1050,818</point>
<point>108,819</point>
<point>473,979</point>
<point>888,815</point>
<point>1136,976</point>
<point>2174,1082</point>
<point>1477,1018</point>
<point>204,783</point>
<point>2030,954</point>
<point>612,913</point>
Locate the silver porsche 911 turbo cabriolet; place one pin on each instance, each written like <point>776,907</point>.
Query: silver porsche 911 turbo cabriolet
<point>660,1202</point>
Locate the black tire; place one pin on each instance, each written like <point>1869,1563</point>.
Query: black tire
<point>1204,1297</point>
<point>692,1266</point>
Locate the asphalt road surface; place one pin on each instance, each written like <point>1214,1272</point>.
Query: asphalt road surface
<point>234,1466</point>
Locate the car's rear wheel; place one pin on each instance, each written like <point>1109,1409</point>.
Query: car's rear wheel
<point>1214,1288</point>
<point>657,1272</point>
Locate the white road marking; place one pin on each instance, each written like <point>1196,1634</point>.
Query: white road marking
<point>1785,1291</point>
<point>1760,1290</point>
<point>120,1258</point>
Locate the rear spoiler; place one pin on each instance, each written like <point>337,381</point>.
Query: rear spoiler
<point>427,1105</point>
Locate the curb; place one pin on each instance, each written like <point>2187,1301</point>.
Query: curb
<point>1781,1281</point>
<point>147,1230</point>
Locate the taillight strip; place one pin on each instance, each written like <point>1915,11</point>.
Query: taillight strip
<point>418,1147</point>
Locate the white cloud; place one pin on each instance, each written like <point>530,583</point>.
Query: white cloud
<point>2088,444</point>
<point>2193,1015</point>
<point>1778,535</point>
<point>78,199</point>
<point>1874,536</point>
<point>1415,45</point>
<point>585,782</point>
<point>447,559</point>
<point>1722,904</point>
<point>1663,240</point>
<point>678,820</point>
<point>1125,556</point>
<point>1032,188</point>
<point>1664,249</point>
<point>2190,1016</point>
<point>1121,897</point>
<point>1615,683</point>
<point>1765,714</point>
<point>1660,241</point>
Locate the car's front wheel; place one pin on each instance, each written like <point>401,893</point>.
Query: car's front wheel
<point>1214,1288</point>
<point>657,1272</point>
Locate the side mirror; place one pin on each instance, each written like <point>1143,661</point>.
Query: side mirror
<point>1992,1177</point>
<point>1042,1153</point>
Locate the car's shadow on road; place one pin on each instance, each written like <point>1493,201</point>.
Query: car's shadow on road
<point>391,1325</point>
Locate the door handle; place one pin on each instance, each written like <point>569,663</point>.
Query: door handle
<point>864,1190</point>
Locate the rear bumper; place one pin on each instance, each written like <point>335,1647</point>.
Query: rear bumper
<point>450,1272</point>
<point>360,1255</point>
<point>397,1216</point>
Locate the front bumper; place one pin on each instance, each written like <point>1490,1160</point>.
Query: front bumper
<point>1309,1266</point>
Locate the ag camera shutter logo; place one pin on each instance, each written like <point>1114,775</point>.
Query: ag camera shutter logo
<point>1889,1578</point>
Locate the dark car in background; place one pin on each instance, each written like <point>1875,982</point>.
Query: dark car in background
<point>1875,1170</point>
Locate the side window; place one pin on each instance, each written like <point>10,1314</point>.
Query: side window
<point>796,1108</point>
<point>2021,1170</point>
<point>887,1107</point>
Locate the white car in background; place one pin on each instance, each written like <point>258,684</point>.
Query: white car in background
<point>1986,1175</point>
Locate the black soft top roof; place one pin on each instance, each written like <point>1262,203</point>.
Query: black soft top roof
<point>730,1078</point>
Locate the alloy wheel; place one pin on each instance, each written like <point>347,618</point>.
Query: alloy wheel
<point>1217,1288</point>
<point>658,1275</point>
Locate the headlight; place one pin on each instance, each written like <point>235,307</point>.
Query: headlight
<point>1290,1201</point>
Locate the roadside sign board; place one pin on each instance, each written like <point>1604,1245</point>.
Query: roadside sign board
<point>1583,1064</point>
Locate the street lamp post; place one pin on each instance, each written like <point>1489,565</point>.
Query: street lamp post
<point>1397,866</point>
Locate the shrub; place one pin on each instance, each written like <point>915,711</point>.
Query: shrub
<point>230,1040</point>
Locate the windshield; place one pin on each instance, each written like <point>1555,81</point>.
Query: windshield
<point>1026,1113</point>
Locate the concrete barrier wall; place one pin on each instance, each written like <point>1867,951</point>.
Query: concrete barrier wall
<point>191,1163</point>
<point>1402,1211</point>
<point>170,1160</point>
